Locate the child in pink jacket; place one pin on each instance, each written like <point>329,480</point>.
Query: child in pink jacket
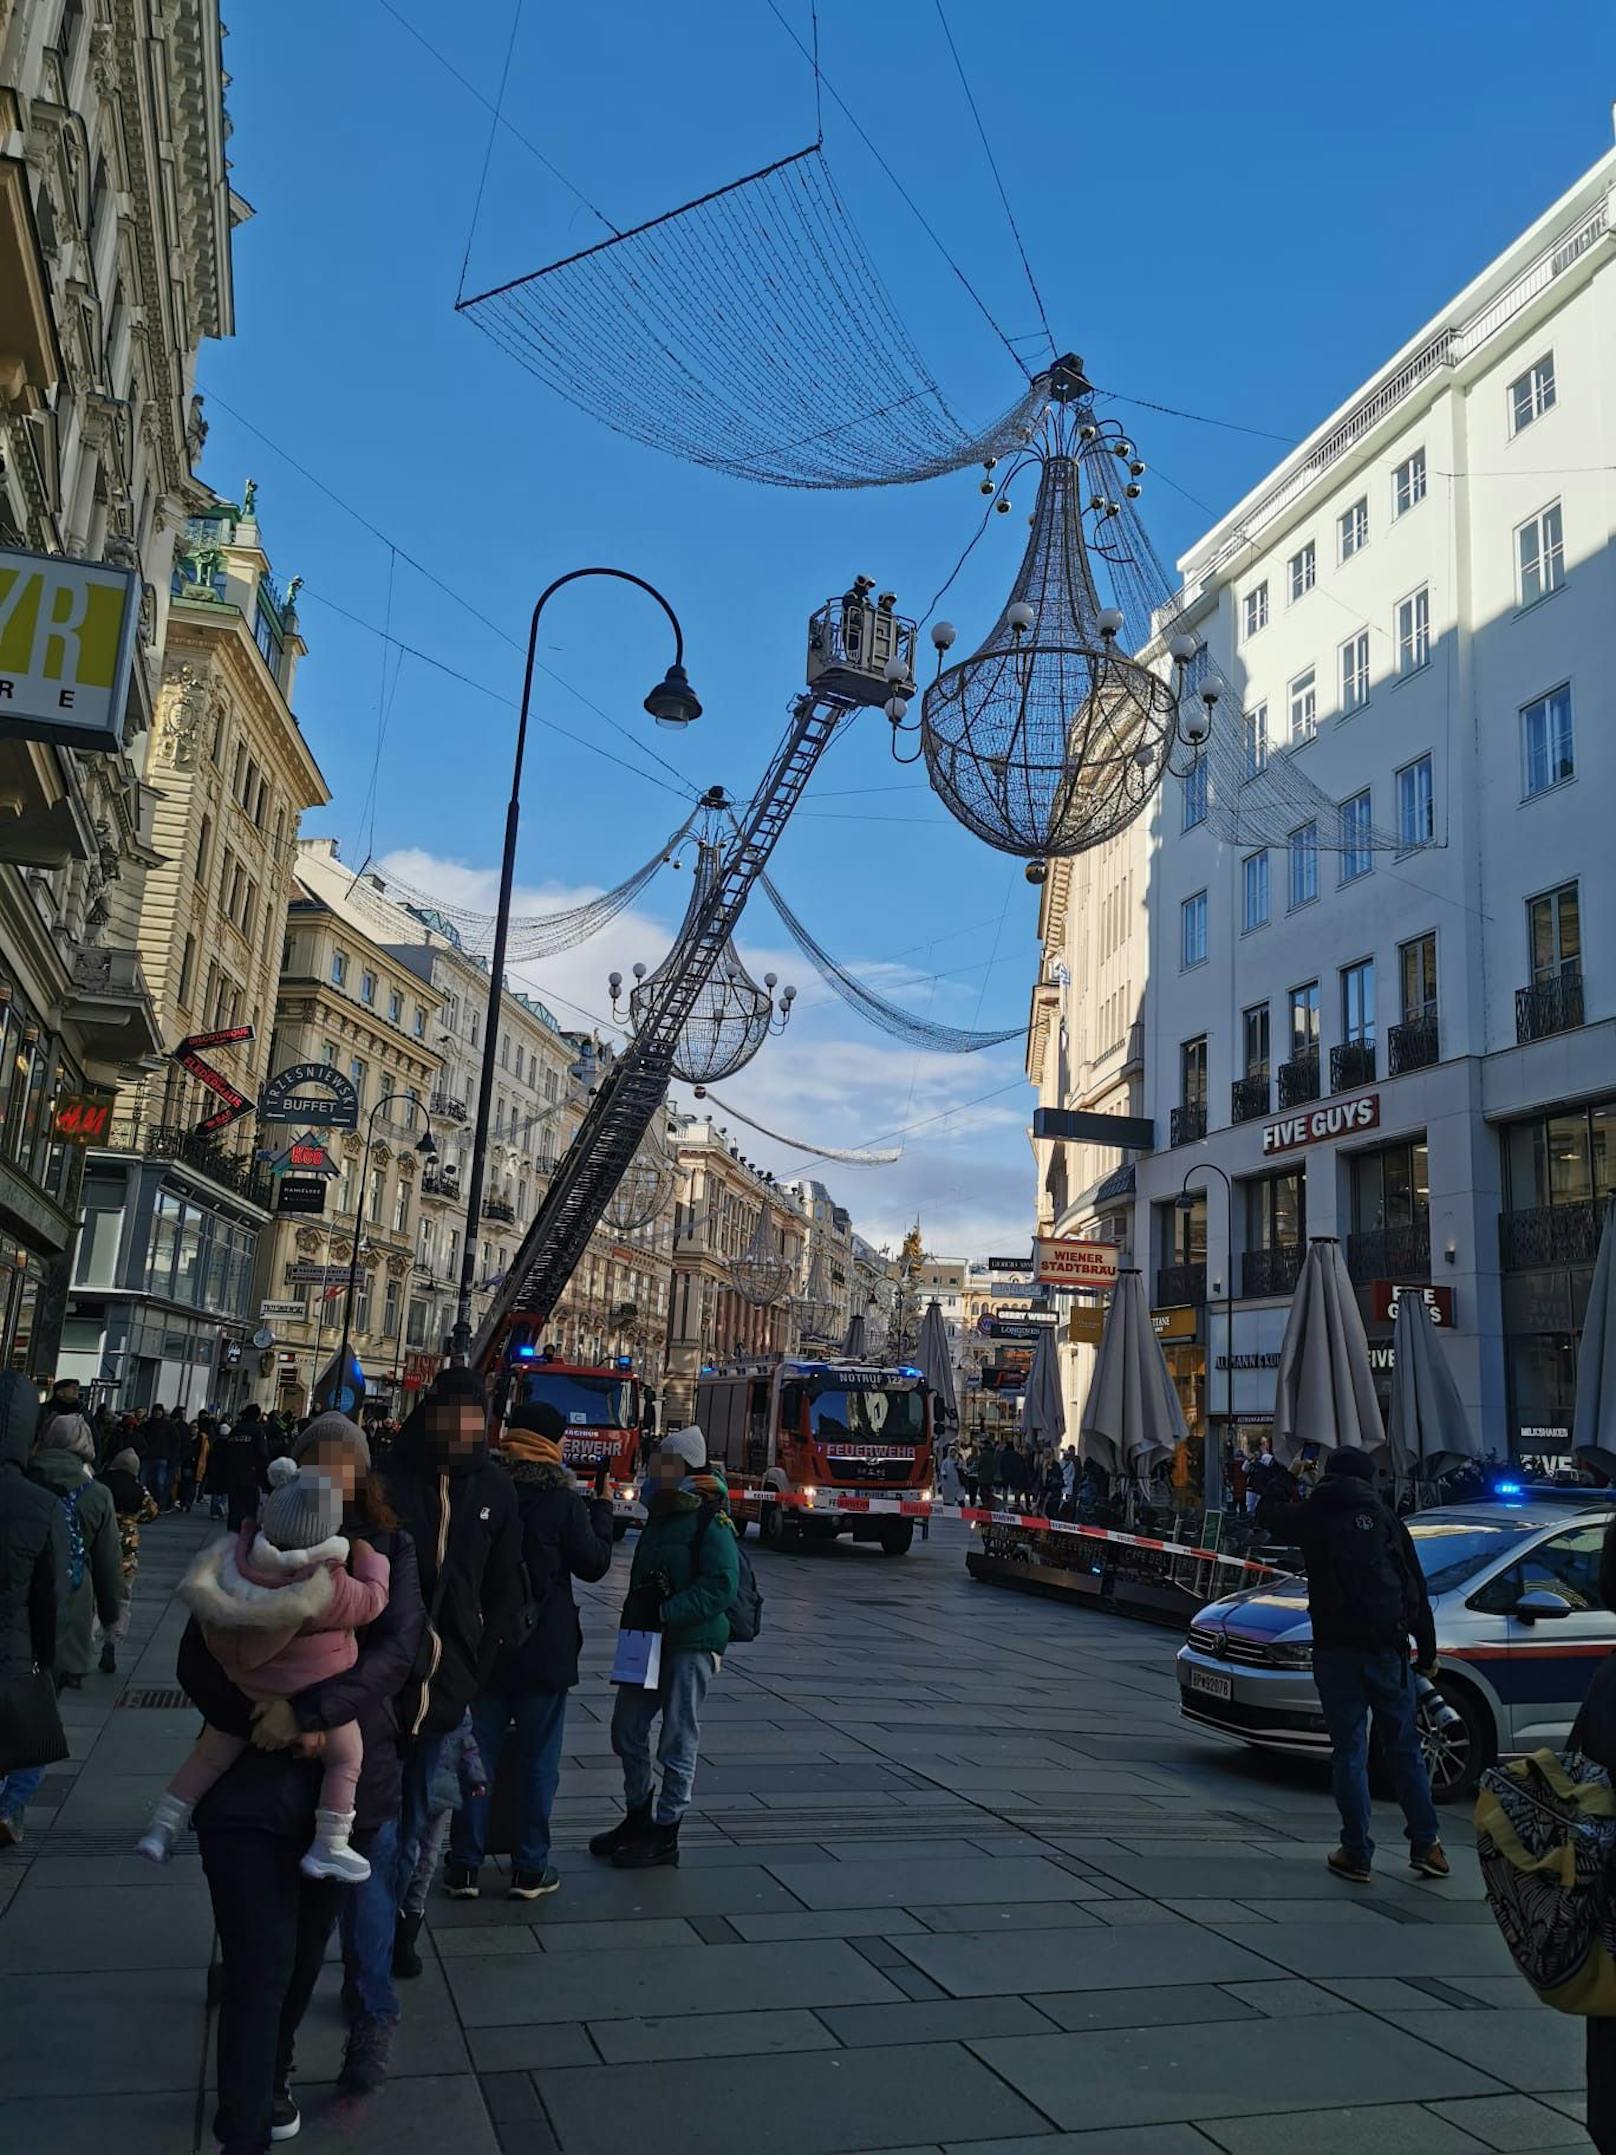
<point>279,1608</point>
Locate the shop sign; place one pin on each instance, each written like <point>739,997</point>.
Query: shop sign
<point>301,1193</point>
<point>67,643</point>
<point>82,1118</point>
<point>1174,1323</point>
<point>1069,1261</point>
<point>1085,1325</point>
<point>311,1275</point>
<point>1026,1329</point>
<point>1384,1295</point>
<point>284,1312</point>
<point>1009,1264</point>
<point>1247,1361</point>
<point>335,1107</point>
<point>1317,1125</point>
<point>419,1371</point>
<point>188,1054</point>
<point>1554,1434</point>
<point>305,1155</point>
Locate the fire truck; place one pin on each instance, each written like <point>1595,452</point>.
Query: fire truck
<point>815,1429</point>
<point>600,1405</point>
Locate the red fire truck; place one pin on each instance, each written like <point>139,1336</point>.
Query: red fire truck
<point>816,1428</point>
<point>601,1407</point>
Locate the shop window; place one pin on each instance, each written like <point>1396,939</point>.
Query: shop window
<point>1391,1187</point>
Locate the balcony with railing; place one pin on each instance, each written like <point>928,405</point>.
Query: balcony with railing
<point>1413,1045</point>
<point>1390,1253</point>
<point>1248,1098</point>
<point>1299,1079</point>
<point>1187,1124</point>
<point>1550,1235</point>
<point>1177,1285</point>
<point>1352,1064</point>
<point>451,1110</point>
<point>499,1209</point>
<point>234,1170</point>
<point>1271,1272</point>
<point>441,1182</point>
<point>1548,1007</point>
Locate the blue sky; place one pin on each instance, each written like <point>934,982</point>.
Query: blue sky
<point>1236,215</point>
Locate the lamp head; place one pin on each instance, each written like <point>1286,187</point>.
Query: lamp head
<point>673,701</point>
<point>1187,1200</point>
<point>427,1145</point>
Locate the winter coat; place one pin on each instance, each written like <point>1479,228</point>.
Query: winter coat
<point>461,1514</point>
<point>128,1492</point>
<point>565,1536</point>
<point>695,1616</point>
<point>100,1590</point>
<point>275,1791</point>
<point>33,1542</point>
<point>460,1770</point>
<point>278,1620</point>
<point>162,1439</point>
<point>1368,1595</point>
<point>237,1465</point>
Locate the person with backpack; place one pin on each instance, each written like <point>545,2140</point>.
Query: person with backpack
<point>33,1585</point>
<point>524,1702</point>
<point>685,1579</point>
<point>1366,1599</point>
<point>63,1464</point>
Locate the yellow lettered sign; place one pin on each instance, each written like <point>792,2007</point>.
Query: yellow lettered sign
<point>67,640</point>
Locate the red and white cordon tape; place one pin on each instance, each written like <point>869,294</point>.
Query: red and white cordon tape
<point>978,1515</point>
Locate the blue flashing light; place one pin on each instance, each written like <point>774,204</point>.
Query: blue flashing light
<point>624,1361</point>
<point>1509,1489</point>
<point>526,1354</point>
<point>905,1371</point>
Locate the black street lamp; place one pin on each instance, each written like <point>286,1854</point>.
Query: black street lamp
<point>427,1146</point>
<point>1212,1464</point>
<point>671,703</point>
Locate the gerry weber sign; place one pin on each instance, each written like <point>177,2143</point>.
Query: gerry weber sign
<point>1317,1125</point>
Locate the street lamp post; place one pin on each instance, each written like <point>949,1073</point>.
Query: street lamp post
<point>1212,1470</point>
<point>671,703</point>
<point>426,1145</point>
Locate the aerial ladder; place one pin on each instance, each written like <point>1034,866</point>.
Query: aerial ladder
<point>860,652</point>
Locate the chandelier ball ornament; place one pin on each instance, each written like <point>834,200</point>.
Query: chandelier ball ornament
<point>943,634</point>
<point>761,1273</point>
<point>646,1189</point>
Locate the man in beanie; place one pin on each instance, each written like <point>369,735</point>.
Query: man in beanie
<point>460,1510</point>
<point>564,1537</point>
<point>686,1572</point>
<point>1366,1597</point>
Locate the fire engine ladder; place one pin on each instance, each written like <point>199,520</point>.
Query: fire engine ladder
<point>637,1082</point>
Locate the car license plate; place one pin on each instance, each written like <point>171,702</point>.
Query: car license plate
<point>1213,1682</point>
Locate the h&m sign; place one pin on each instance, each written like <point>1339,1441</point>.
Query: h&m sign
<point>1317,1125</point>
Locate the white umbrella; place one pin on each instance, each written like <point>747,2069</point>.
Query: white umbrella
<point>1043,1411</point>
<point>1132,1416</point>
<point>1593,1424</point>
<point>936,1362</point>
<point>1326,1393</point>
<point>1429,1430</point>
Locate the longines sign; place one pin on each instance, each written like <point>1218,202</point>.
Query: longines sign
<point>1318,1125</point>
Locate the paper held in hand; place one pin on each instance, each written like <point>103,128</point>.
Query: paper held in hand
<point>638,1659</point>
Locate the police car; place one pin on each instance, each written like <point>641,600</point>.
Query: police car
<point>1520,1629</point>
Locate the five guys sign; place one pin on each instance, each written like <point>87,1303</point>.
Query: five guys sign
<point>189,1057</point>
<point>1315,1125</point>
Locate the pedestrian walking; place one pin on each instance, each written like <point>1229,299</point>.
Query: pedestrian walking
<point>193,1460</point>
<point>1366,1599</point>
<point>163,1440</point>
<point>66,1405</point>
<point>461,1777</point>
<point>238,1466</point>
<point>273,1920</point>
<point>564,1536</point>
<point>279,1607</point>
<point>61,1464</point>
<point>135,1506</point>
<point>33,1581</point>
<point>683,1582</point>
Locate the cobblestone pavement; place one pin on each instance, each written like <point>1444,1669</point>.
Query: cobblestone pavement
<point>958,1879</point>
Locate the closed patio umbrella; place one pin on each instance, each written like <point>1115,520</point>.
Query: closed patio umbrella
<point>1593,1423</point>
<point>937,1363</point>
<point>1429,1430</point>
<point>1043,1411</point>
<point>853,1346</point>
<point>1132,1416</point>
<point>1325,1394</point>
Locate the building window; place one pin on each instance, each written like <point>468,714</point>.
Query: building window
<point>1304,707</point>
<point>1414,631</point>
<point>204,844</point>
<point>395,1007</point>
<point>1416,963</point>
<point>1540,555</point>
<point>1254,1039</point>
<point>401,1209</point>
<point>1256,740</point>
<point>390,1300</point>
<point>1276,1211</point>
<point>1531,394</point>
<point>1254,611</point>
<point>367,988</point>
<point>1391,1187</point>
<point>267,637</point>
<point>1416,806</point>
<point>1408,484</point>
<point>420,1021</point>
<point>1355,672</point>
<point>1303,571</point>
<point>375,1196</point>
<point>1353,526</point>
<point>1305,1019</point>
<point>1304,860</point>
<point>1193,1072</point>
<point>1548,751</point>
<point>339,968</point>
<point>1195,802</point>
<point>1554,927</point>
<point>1358,1002</point>
<point>1256,891</point>
<point>187,973</point>
<point>1192,931</point>
<point>358,1071</point>
<point>1357,852</point>
<point>1563,1159</point>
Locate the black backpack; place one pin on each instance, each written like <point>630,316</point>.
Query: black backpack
<point>1362,1567</point>
<point>745,1612</point>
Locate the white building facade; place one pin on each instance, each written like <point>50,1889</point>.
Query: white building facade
<point>1395,1024</point>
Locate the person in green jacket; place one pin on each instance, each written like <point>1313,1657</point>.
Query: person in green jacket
<point>64,1463</point>
<point>685,1575</point>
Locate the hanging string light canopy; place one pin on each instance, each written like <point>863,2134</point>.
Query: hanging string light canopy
<point>761,1273</point>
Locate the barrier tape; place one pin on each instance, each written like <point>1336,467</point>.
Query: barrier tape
<point>977,1515</point>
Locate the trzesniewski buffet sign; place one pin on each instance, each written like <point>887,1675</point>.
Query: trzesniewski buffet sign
<point>1317,1125</point>
<point>67,642</point>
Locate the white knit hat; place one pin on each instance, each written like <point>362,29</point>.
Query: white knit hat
<point>687,1444</point>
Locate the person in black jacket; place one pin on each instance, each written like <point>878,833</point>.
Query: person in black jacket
<point>563,1538</point>
<point>1366,1599</point>
<point>33,1576</point>
<point>273,1921</point>
<point>238,1467</point>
